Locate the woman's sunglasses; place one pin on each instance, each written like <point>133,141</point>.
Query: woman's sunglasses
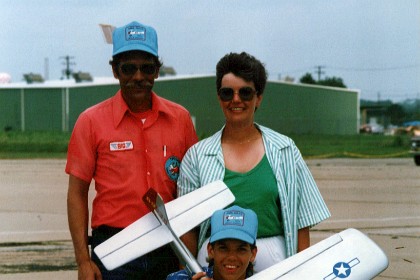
<point>245,93</point>
<point>130,69</point>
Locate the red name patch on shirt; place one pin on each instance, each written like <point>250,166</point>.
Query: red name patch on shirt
<point>121,146</point>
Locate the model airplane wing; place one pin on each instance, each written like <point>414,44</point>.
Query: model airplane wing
<point>147,234</point>
<point>349,254</point>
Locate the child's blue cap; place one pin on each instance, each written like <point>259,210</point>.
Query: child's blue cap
<point>234,223</point>
<point>135,37</point>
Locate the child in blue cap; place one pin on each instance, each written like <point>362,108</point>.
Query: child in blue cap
<point>231,248</point>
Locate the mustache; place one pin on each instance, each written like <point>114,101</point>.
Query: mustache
<point>140,85</point>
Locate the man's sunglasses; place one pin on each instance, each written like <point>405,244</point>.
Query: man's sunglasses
<point>130,69</point>
<point>245,93</point>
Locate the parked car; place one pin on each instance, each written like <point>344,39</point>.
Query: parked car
<point>371,128</point>
<point>415,149</point>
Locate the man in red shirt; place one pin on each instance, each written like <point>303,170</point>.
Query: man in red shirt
<point>128,143</point>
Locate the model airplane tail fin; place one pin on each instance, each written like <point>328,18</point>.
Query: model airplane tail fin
<point>147,234</point>
<point>154,202</point>
<point>107,30</point>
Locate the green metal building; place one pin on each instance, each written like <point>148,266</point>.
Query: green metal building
<point>286,107</point>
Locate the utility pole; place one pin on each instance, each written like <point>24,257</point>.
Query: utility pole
<point>319,71</point>
<point>46,69</point>
<point>68,71</point>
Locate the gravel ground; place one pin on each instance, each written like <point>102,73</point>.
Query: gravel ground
<point>380,197</point>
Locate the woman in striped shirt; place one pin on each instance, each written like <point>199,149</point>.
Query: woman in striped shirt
<point>263,168</point>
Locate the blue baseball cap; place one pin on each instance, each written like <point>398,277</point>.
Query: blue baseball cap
<point>135,37</point>
<point>234,223</point>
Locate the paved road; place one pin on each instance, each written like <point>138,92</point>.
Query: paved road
<point>380,197</point>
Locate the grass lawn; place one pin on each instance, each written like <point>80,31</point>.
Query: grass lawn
<point>33,144</point>
<point>356,146</point>
<point>54,145</point>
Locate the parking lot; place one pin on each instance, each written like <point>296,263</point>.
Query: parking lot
<point>380,197</point>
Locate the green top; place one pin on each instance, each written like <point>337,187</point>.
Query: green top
<point>257,190</point>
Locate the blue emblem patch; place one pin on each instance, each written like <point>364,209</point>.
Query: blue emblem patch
<point>172,168</point>
<point>135,33</point>
<point>235,218</point>
<point>342,269</point>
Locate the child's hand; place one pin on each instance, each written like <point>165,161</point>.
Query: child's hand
<point>200,276</point>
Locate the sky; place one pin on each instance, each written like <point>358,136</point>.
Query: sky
<point>374,46</point>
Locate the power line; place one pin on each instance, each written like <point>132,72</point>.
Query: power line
<point>297,70</point>
<point>373,69</point>
<point>357,69</point>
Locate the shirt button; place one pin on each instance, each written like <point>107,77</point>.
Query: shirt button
<point>148,173</point>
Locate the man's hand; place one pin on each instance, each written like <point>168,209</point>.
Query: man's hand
<point>89,271</point>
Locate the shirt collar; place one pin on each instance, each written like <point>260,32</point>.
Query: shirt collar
<point>120,107</point>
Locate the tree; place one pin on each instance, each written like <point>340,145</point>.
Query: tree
<point>332,82</point>
<point>307,79</point>
<point>396,113</point>
<point>166,70</point>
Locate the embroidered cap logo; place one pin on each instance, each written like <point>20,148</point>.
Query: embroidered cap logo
<point>234,218</point>
<point>135,33</point>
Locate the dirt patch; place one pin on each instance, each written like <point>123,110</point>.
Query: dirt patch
<point>36,256</point>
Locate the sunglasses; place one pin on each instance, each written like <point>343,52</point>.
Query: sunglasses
<point>245,93</point>
<point>130,69</point>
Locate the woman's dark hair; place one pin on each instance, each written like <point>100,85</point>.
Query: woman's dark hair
<point>242,65</point>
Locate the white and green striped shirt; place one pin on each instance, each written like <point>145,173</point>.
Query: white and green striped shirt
<point>301,202</point>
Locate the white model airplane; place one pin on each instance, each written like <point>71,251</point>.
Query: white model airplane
<point>148,234</point>
<point>349,254</point>
<point>107,30</point>
<point>155,203</point>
